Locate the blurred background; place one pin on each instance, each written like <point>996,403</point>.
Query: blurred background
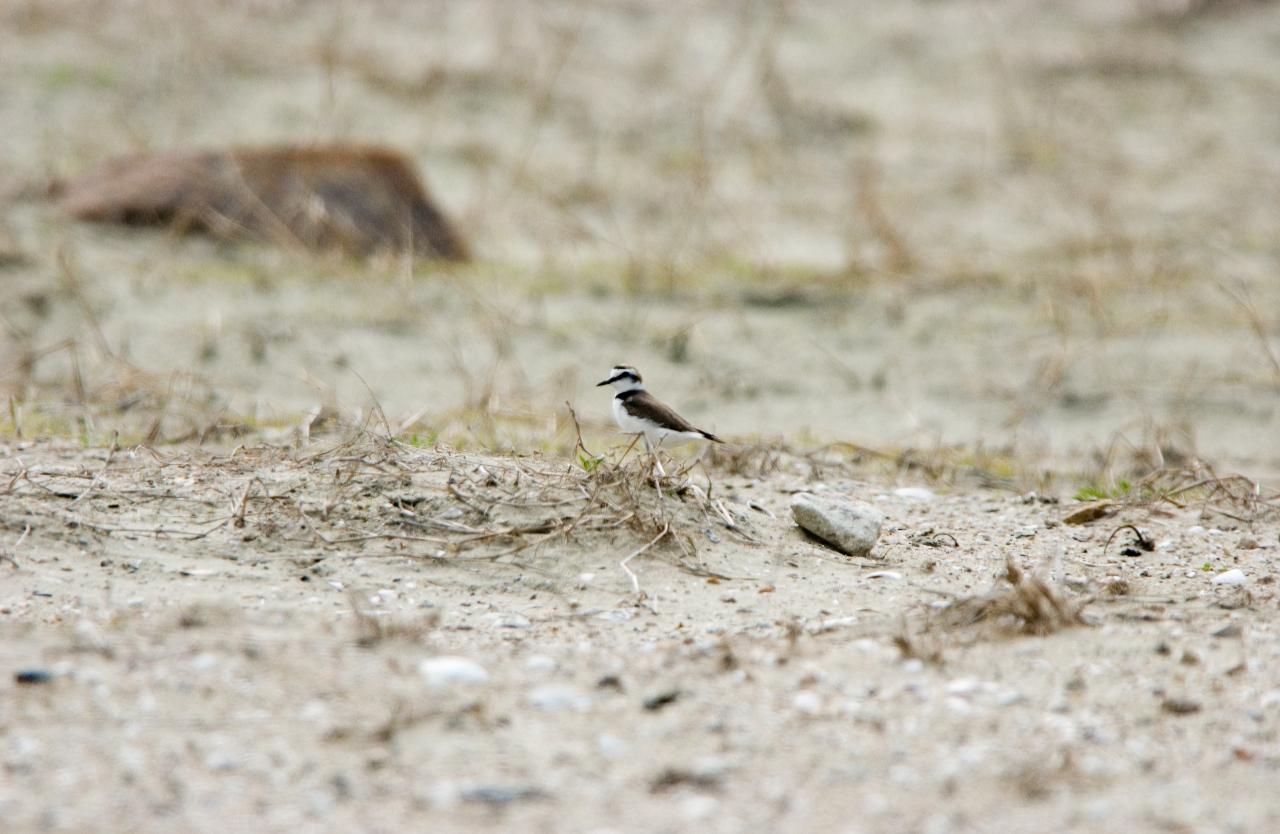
<point>1030,235</point>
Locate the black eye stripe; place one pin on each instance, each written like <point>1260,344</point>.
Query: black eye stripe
<point>620,373</point>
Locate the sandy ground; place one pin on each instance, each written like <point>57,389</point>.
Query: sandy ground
<point>216,674</point>
<point>981,250</point>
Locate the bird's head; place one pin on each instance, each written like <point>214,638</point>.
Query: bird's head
<point>622,378</point>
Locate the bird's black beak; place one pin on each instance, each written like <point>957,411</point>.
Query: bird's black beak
<point>605,382</point>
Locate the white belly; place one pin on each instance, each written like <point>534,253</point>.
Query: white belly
<point>654,435</point>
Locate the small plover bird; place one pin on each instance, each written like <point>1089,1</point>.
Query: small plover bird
<point>636,411</point>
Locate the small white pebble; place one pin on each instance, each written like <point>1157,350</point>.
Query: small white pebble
<point>335,585</point>
<point>446,670</point>
<point>443,795</point>
<point>314,711</point>
<point>1009,697</point>
<point>915,493</point>
<point>698,807</point>
<point>610,747</point>
<point>539,663</point>
<point>884,574</point>
<point>807,702</point>
<point>221,760</point>
<point>1235,576</point>
<point>554,697</point>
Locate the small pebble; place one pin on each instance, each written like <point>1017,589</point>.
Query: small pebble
<point>502,794</point>
<point>1235,576</point>
<point>662,699</point>
<point>884,574</point>
<point>32,677</point>
<point>915,493</point>
<point>221,760</point>
<point>540,663</point>
<point>610,747</point>
<point>1180,706</point>
<point>447,670</point>
<point>698,807</point>
<point>807,702</point>
<point>555,697</point>
<point>88,636</point>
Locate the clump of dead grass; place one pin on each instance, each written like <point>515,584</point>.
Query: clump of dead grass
<point>1028,604</point>
<point>373,629</point>
<point>1196,486</point>
<point>1022,603</point>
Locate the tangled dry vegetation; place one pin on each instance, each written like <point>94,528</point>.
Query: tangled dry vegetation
<point>388,497</point>
<point>354,492</point>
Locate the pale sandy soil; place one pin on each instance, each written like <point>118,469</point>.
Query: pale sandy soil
<point>215,675</point>
<point>996,247</point>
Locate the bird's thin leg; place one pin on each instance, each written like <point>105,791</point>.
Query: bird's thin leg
<point>658,474</point>
<point>653,452</point>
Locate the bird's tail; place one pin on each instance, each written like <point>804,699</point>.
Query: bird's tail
<point>709,436</point>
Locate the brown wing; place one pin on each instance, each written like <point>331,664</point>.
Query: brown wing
<point>644,405</point>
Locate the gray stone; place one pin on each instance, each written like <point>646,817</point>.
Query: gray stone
<point>849,526</point>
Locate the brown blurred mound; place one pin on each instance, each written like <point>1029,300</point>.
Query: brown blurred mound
<point>357,199</point>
